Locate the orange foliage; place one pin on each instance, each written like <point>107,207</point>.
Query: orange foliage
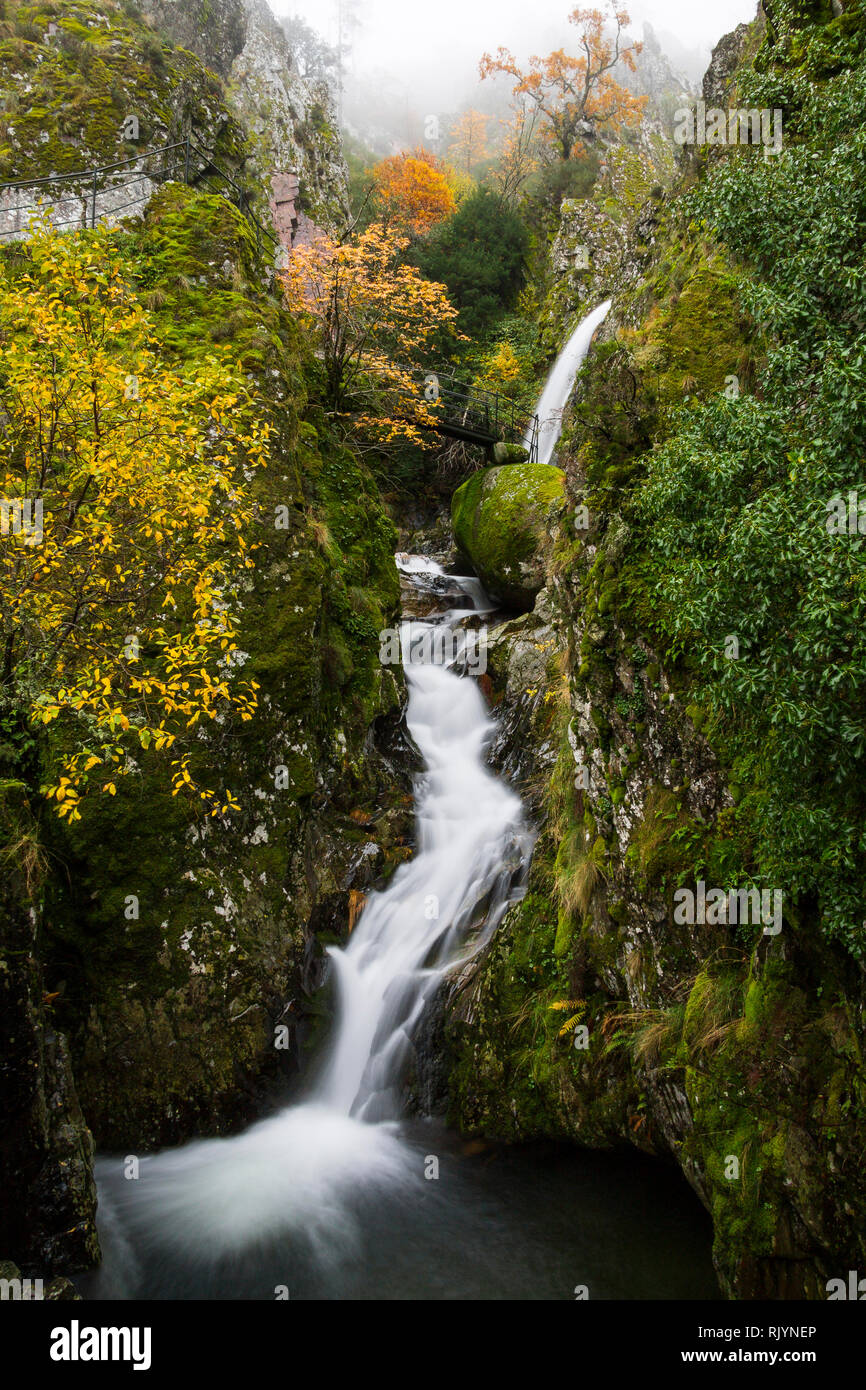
<point>413,190</point>
<point>569,91</point>
<point>373,317</point>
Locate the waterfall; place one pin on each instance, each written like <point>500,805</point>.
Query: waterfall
<point>298,1170</point>
<point>560,380</point>
<point>470,836</point>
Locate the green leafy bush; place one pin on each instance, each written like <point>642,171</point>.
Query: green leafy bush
<point>735,508</point>
<point>479,254</point>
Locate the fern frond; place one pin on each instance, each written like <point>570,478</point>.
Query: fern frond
<point>570,1023</point>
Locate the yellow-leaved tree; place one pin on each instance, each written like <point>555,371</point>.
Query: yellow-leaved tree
<point>501,371</point>
<point>124,489</point>
<point>381,331</point>
<point>468,144</point>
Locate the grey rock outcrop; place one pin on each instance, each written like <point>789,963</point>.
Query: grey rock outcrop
<point>290,121</point>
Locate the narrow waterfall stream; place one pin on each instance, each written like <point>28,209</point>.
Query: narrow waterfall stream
<point>560,380</point>
<point>292,1171</point>
<point>337,1196</point>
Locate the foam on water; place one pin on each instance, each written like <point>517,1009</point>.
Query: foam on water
<point>302,1170</point>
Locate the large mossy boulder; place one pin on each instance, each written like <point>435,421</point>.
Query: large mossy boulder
<point>501,519</point>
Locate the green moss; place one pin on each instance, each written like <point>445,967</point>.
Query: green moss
<point>500,518</point>
<point>694,339</point>
<point>697,715</point>
<point>102,67</point>
<point>564,934</point>
<point>653,851</point>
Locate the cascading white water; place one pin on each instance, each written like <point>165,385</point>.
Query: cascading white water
<point>557,388</point>
<point>470,830</point>
<point>296,1170</point>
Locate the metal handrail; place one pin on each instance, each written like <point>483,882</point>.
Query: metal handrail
<point>475,407</point>
<point>91,176</point>
<point>97,169</point>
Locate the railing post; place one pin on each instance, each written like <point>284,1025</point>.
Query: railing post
<point>93,215</point>
<point>186,160</point>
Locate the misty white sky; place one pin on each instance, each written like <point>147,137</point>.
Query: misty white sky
<point>417,38</point>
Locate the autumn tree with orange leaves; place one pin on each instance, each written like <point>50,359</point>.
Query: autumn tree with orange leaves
<point>412,191</point>
<point>379,327</point>
<point>569,91</point>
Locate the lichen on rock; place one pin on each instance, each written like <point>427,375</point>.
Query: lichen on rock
<point>502,518</point>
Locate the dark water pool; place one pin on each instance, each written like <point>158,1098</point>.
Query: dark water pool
<point>534,1222</point>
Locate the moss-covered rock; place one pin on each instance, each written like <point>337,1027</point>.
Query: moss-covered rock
<point>73,74</point>
<point>504,452</point>
<point>291,120</point>
<point>48,1216</point>
<point>502,519</point>
<point>737,1052</point>
<point>178,945</point>
<point>83,86</point>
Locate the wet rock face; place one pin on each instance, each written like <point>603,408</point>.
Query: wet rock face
<point>522,655</point>
<point>602,240</point>
<point>425,595</point>
<point>501,518</point>
<point>216,33</point>
<point>45,1147</point>
<point>291,121</point>
<point>707,1041</point>
<point>141,95</point>
<point>426,530</point>
<point>618,777</point>
<point>727,55</point>
<point>230,81</point>
<point>588,251</point>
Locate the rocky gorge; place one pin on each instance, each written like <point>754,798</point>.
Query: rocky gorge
<point>149,959</point>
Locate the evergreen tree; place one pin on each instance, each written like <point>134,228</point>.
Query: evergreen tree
<point>479,255</point>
